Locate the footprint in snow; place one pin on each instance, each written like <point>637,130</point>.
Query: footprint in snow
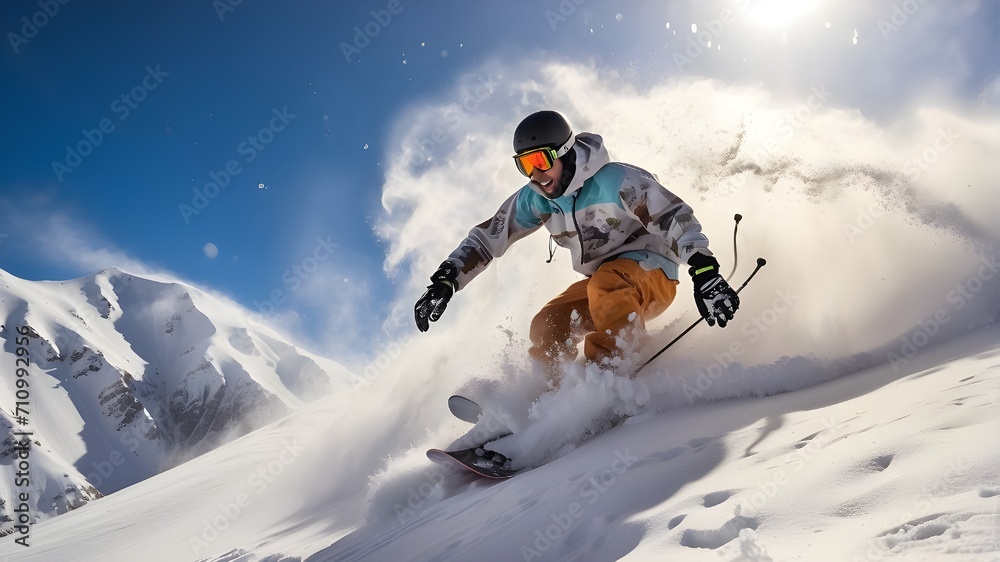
<point>699,442</point>
<point>805,440</point>
<point>989,492</point>
<point>717,538</point>
<point>881,463</point>
<point>715,498</point>
<point>676,521</point>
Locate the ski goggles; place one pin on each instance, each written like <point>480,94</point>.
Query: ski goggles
<point>540,158</point>
<point>537,159</point>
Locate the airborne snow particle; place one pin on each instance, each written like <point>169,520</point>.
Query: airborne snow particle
<point>365,147</point>
<point>211,251</point>
<point>618,16</point>
<point>694,28</point>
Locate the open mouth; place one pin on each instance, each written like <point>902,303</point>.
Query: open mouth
<point>545,185</point>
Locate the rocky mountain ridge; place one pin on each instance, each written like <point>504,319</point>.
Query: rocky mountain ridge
<point>122,377</point>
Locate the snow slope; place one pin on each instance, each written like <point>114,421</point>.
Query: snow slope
<point>869,465</point>
<point>874,465</point>
<point>128,376</point>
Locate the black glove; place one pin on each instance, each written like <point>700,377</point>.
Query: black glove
<point>716,300</point>
<point>431,305</point>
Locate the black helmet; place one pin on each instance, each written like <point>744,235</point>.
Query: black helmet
<point>544,129</point>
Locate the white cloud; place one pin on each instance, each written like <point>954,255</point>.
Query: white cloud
<point>58,238</point>
<point>804,172</point>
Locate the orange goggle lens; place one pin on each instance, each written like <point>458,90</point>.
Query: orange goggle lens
<point>541,158</point>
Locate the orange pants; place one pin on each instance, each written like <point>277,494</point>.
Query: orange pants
<point>603,304</point>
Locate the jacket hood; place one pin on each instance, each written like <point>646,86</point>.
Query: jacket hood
<point>591,156</point>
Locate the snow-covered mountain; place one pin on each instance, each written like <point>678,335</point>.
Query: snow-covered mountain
<point>120,377</point>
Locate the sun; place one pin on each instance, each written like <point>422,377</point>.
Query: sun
<point>780,13</point>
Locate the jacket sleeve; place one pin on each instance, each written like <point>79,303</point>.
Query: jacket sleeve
<point>520,215</point>
<point>666,215</point>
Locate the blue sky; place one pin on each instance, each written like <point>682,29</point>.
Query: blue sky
<point>162,97</point>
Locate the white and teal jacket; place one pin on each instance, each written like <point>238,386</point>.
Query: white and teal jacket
<point>610,210</point>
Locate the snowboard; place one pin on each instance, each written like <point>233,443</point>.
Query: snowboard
<point>469,411</point>
<point>464,409</point>
<point>473,462</point>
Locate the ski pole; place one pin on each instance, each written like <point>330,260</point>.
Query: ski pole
<point>736,255</point>
<point>761,262</point>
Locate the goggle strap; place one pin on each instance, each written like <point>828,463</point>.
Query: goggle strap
<point>567,146</point>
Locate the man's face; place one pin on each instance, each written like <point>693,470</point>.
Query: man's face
<point>548,181</point>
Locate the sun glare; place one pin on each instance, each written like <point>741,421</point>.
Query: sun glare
<point>780,13</point>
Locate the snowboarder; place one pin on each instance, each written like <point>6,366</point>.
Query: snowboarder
<point>627,233</point>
